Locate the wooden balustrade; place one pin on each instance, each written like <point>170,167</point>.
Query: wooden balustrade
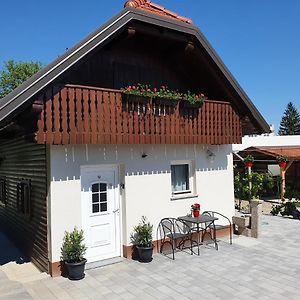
<point>88,115</point>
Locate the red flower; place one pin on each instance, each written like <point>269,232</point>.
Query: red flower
<point>155,90</point>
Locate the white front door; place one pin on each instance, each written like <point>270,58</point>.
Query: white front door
<point>100,212</point>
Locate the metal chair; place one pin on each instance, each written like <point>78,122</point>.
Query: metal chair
<point>222,219</point>
<point>175,233</point>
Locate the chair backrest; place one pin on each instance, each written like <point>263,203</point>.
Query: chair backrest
<point>182,227</point>
<point>166,227</point>
<point>221,218</point>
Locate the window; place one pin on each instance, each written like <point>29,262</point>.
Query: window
<point>2,190</point>
<point>180,178</point>
<point>23,197</point>
<point>99,197</point>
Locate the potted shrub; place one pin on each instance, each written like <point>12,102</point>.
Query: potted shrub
<point>195,209</point>
<point>72,252</point>
<point>142,238</point>
<point>282,160</point>
<point>248,161</point>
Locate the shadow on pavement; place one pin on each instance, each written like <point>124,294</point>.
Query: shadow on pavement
<point>9,252</point>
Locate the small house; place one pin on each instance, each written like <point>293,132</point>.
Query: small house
<point>77,151</point>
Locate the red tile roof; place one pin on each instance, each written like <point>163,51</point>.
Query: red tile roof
<point>156,9</point>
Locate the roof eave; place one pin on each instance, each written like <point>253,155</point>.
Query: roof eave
<point>45,76</point>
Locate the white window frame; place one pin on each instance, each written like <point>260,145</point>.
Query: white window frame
<point>192,176</point>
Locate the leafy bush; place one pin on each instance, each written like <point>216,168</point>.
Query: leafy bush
<point>73,249</point>
<point>142,234</point>
<point>288,208</point>
<point>260,183</point>
<point>290,193</point>
<point>275,210</point>
<point>285,209</point>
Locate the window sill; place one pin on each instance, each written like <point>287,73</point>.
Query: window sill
<point>183,196</point>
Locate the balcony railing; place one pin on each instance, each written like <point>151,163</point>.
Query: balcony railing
<point>88,115</point>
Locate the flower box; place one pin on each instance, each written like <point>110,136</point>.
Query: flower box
<point>187,104</point>
<point>164,95</point>
<point>165,101</point>
<point>137,99</point>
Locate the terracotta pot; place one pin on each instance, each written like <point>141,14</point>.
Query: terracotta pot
<point>196,213</point>
<point>282,164</point>
<point>249,164</point>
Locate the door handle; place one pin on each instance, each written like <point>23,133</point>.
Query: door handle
<point>116,210</point>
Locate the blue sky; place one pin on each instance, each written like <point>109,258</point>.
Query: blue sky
<point>258,40</point>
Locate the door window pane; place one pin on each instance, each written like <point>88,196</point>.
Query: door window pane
<point>103,206</point>
<point>103,187</point>
<point>180,177</point>
<point>95,208</point>
<point>103,197</point>
<point>95,188</point>
<point>95,198</point>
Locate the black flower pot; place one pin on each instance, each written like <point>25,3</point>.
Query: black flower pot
<point>75,270</point>
<point>187,104</point>
<point>145,254</point>
<point>137,99</point>
<point>165,101</point>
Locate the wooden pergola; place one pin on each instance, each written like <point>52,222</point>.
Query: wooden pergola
<point>271,152</point>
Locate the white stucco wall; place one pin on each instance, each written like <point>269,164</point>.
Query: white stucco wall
<point>264,140</point>
<point>147,183</point>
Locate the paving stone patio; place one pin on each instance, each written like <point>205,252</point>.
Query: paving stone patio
<point>266,268</point>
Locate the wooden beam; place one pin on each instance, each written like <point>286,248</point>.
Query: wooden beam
<point>282,189</point>
<point>282,175</point>
<point>131,31</point>
<point>289,164</point>
<point>190,47</point>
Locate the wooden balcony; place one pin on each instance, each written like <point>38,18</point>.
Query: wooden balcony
<point>88,115</point>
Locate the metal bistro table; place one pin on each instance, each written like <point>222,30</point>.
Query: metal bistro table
<point>208,221</point>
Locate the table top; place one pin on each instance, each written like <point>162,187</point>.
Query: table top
<point>198,220</point>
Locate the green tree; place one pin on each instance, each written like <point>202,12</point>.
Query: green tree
<point>14,73</point>
<point>290,122</point>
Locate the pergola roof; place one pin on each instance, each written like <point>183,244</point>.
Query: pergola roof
<point>292,152</point>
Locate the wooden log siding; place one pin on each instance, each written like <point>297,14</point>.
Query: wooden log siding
<point>88,115</point>
<point>25,160</point>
